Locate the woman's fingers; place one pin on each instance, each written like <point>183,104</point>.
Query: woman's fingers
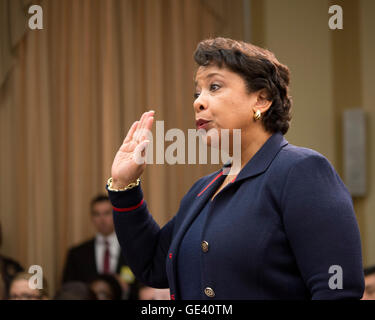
<point>146,118</point>
<point>144,126</point>
<point>149,122</point>
<point>146,133</point>
<point>131,131</point>
<point>137,133</point>
<point>140,152</point>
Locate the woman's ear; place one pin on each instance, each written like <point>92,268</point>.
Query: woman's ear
<point>262,102</point>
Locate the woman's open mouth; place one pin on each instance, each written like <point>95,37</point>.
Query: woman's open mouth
<point>202,123</point>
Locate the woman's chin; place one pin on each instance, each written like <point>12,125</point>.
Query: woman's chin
<point>212,141</point>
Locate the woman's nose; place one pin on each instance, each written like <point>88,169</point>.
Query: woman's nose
<point>200,104</point>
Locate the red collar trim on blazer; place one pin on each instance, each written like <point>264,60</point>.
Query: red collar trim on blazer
<point>219,175</point>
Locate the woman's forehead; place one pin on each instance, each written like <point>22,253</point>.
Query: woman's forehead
<point>206,72</point>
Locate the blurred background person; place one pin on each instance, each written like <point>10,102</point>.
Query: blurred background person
<point>2,288</point>
<point>75,290</point>
<point>101,254</point>
<point>369,293</point>
<point>106,287</point>
<point>149,293</point>
<point>8,268</point>
<point>21,290</point>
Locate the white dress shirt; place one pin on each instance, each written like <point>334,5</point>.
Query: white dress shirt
<point>114,249</point>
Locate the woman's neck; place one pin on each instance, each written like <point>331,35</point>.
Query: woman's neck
<point>251,142</point>
<point>251,148</point>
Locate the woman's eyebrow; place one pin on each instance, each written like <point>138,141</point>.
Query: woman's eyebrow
<point>210,75</point>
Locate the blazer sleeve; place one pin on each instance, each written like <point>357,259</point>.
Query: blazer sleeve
<point>322,229</point>
<point>144,244</point>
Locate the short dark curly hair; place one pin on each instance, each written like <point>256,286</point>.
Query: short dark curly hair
<point>259,68</point>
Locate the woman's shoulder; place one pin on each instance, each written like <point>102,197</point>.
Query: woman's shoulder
<point>297,153</point>
<point>299,162</point>
<point>292,156</point>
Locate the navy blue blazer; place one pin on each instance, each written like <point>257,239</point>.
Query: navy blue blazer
<point>285,228</point>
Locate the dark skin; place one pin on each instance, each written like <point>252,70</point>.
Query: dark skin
<point>221,98</point>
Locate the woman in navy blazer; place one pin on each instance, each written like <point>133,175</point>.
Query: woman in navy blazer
<point>282,228</point>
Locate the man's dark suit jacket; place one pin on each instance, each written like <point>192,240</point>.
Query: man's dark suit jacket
<point>81,264</point>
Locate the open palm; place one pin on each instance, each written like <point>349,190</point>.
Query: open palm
<point>125,167</point>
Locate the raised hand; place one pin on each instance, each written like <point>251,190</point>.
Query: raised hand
<point>125,167</point>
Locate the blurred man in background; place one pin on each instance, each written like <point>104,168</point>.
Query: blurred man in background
<point>106,287</point>
<point>369,293</point>
<point>21,290</point>
<point>101,254</point>
<point>8,269</point>
<point>149,293</point>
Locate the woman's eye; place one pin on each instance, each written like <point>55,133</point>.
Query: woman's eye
<point>213,87</point>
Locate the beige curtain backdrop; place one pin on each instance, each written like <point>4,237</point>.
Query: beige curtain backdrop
<point>74,90</point>
<point>13,18</point>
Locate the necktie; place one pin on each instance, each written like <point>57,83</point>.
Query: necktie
<point>106,258</point>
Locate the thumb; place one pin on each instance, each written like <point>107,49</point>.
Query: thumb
<point>140,152</point>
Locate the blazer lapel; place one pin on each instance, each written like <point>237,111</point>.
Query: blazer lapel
<point>263,158</point>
